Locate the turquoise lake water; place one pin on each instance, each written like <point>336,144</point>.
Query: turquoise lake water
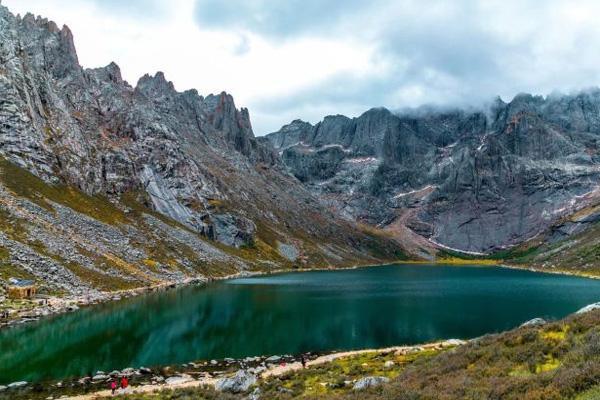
<point>289,314</point>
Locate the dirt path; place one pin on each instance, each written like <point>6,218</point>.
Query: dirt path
<point>283,369</point>
<point>272,371</point>
<point>148,389</point>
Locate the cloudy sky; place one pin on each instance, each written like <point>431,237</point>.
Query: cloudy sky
<point>288,59</point>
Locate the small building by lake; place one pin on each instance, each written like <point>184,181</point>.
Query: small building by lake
<point>21,289</point>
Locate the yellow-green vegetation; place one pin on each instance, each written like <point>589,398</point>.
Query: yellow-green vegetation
<point>447,256</point>
<point>13,228</point>
<point>101,281</point>
<point>591,394</point>
<point>579,253</point>
<point>547,365</point>
<point>167,254</point>
<point>555,361</point>
<point>17,306</point>
<point>217,204</point>
<point>150,263</point>
<point>8,270</point>
<point>555,335</point>
<point>337,377</point>
<point>24,184</point>
<point>129,213</point>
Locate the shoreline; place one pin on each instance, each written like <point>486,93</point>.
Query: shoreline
<point>273,370</point>
<point>265,367</point>
<point>546,271</point>
<point>55,305</point>
<point>44,308</point>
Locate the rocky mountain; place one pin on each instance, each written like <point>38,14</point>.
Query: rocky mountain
<point>105,186</point>
<point>570,244</point>
<point>476,180</point>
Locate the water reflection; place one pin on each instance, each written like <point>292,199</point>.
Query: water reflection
<point>288,313</point>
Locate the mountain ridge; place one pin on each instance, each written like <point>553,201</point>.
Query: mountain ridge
<point>451,168</point>
<point>106,186</point>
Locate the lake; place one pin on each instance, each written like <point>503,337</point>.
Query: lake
<point>289,314</point>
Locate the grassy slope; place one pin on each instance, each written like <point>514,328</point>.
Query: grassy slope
<point>263,256</point>
<point>559,360</point>
<point>579,253</point>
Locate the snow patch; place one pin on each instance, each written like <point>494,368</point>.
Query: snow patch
<point>443,246</point>
<point>399,195</point>
<point>363,160</point>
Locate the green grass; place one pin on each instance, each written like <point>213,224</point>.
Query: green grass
<point>590,394</point>
<point>24,184</point>
<point>9,270</point>
<point>337,377</point>
<point>512,254</point>
<point>100,281</point>
<point>515,253</point>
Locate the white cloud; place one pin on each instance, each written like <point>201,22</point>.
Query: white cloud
<point>305,59</point>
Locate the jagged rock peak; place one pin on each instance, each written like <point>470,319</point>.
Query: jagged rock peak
<point>109,73</point>
<point>156,85</point>
<point>192,159</point>
<point>377,111</point>
<point>471,178</point>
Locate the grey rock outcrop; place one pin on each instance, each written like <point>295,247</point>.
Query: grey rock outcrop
<point>238,383</point>
<point>288,251</point>
<point>89,128</point>
<point>369,382</point>
<point>104,185</point>
<point>534,322</point>
<point>588,308</point>
<point>233,230</point>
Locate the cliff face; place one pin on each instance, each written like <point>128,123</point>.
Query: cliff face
<point>474,180</point>
<point>92,130</point>
<point>161,172</point>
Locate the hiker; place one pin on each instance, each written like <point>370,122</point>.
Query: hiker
<point>124,383</point>
<point>303,361</point>
<point>113,387</point>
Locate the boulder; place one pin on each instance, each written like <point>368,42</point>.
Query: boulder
<point>454,342</point>
<point>145,370</point>
<point>589,307</point>
<point>15,385</point>
<point>534,322</point>
<point>233,230</point>
<point>238,383</point>
<point>288,251</point>
<point>369,381</point>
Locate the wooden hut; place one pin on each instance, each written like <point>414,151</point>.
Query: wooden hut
<point>21,289</point>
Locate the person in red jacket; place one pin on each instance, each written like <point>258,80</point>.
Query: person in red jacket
<point>113,387</point>
<point>124,382</point>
